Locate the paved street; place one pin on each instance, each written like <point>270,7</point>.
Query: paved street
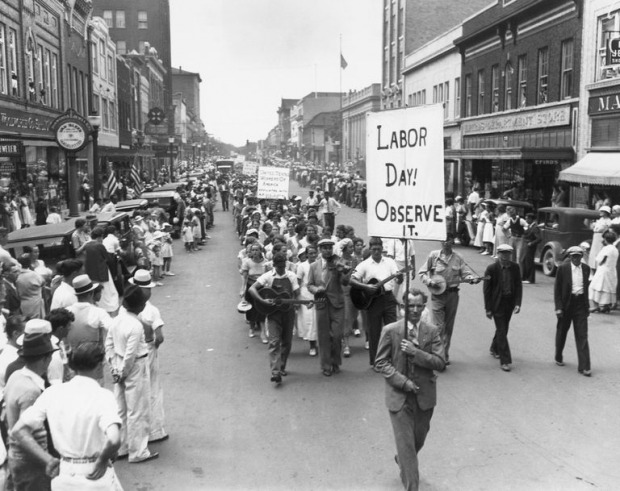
<point>539,427</point>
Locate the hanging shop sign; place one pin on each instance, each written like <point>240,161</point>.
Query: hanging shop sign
<point>520,121</point>
<point>71,131</point>
<point>21,122</point>
<point>604,104</point>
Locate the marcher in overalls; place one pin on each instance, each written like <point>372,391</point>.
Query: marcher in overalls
<point>281,322</point>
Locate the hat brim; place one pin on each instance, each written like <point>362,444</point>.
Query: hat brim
<point>149,285</point>
<point>243,307</point>
<point>93,287</point>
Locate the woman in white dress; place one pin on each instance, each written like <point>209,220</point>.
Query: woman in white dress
<point>599,228</point>
<point>24,208</point>
<point>488,233</point>
<point>605,280</point>
<point>16,222</point>
<point>481,214</point>
<point>306,321</point>
<point>500,234</point>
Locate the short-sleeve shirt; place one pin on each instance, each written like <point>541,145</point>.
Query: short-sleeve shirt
<point>64,296</point>
<point>78,412</point>
<point>266,280</point>
<point>369,269</point>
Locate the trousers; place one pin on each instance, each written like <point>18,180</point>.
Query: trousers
<point>72,477</point>
<point>444,309</point>
<point>382,311</point>
<point>577,314</point>
<point>330,330</point>
<point>280,339</point>
<point>157,429</point>
<point>502,318</point>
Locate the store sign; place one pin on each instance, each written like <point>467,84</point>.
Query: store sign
<point>7,168</point>
<point>604,104</point>
<point>10,148</point>
<point>152,129</point>
<point>520,121</point>
<point>71,131</point>
<point>612,52</point>
<point>13,121</point>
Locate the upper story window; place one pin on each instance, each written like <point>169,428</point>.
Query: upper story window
<point>495,88</point>
<point>12,59</point>
<point>522,81</point>
<point>467,96</point>
<point>608,31</point>
<point>94,57</point>
<point>543,75</point>
<point>446,100</point>
<point>108,17</point>
<point>143,20</point>
<point>4,81</point>
<point>120,19</point>
<point>508,72</point>
<point>566,83</point>
<point>102,58</point>
<point>121,47</point>
<point>457,98</point>
<point>481,89</point>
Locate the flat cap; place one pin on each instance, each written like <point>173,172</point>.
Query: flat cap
<point>505,248</point>
<point>574,250</point>
<point>326,242</point>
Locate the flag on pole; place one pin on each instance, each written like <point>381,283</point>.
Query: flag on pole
<point>112,183</point>
<point>343,62</point>
<point>137,182</point>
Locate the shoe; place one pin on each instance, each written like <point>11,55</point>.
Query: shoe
<point>122,457</point>
<point>485,253</point>
<point>159,283</point>
<point>312,352</point>
<point>252,333</point>
<point>327,373</point>
<point>595,310</point>
<point>276,379</point>
<point>447,362</point>
<point>586,373</point>
<point>357,333</point>
<point>505,367</point>
<point>494,354</point>
<point>152,456</point>
<point>162,439</point>
<point>346,352</point>
<point>525,282</point>
<point>283,372</point>
<point>264,339</point>
<point>559,363</point>
<point>606,309</point>
<point>367,346</point>
<point>169,274</point>
<point>335,369</point>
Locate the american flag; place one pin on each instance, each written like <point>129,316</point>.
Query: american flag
<point>112,183</point>
<point>137,182</point>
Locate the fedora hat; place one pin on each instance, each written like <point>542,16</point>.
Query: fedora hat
<point>142,278</point>
<point>83,284</point>
<point>35,326</point>
<point>36,344</point>
<point>244,306</point>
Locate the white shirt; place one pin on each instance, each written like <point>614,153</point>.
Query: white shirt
<point>369,269</point>
<point>125,340</point>
<point>396,249</point>
<point>109,208</point>
<point>111,243</point>
<point>64,296</point>
<point>151,316</point>
<point>8,356</point>
<point>267,278</point>
<point>97,317</point>
<point>473,197</point>
<point>78,412</point>
<point>577,276</point>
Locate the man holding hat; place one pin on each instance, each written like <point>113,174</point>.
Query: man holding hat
<point>21,391</point>
<point>325,281</point>
<point>503,291</point>
<point>127,352</point>
<point>572,281</point>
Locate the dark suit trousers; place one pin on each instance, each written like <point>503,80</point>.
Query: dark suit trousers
<point>280,339</point>
<point>577,314</point>
<point>502,320</point>
<point>528,269</point>
<point>382,311</point>
<point>329,220</point>
<point>330,329</point>
<point>411,425</point>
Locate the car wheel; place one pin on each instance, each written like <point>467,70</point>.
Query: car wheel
<point>548,263</point>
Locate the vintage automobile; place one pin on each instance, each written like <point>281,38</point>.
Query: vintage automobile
<point>162,199</point>
<point>170,186</point>
<point>53,240</point>
<point>522,207</point>
<point>561,228</point>
<point>131,205</point>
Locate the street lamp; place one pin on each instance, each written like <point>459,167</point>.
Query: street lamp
<point>95,122</point>
<point>171,149</point>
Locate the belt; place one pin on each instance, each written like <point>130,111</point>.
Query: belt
<point>86,460</point>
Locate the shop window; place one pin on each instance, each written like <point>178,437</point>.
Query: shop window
<point>120,19</point>
<point>495,88</point>
<point>121,47</point>
<point>508,72</point>
<point>4,81</point>
<point>457,97</point>
<point>543,75</point>
<point>108,17</point>
<point>606,132</point>
<point>522,80</point>
<point>566,85</point>
<point>467,96</point>
<point>480,91</point>
<point>143,22</point>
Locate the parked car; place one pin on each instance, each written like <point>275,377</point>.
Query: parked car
<point>561,228</point>
<point>170,186</point>
<point>53,240</point>
<point>522,207</point>
<point>160,198</point>
<point>131,205</point>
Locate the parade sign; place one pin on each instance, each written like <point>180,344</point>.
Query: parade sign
<point>272,183</point>
<point>250,168</point>
<point>405,173</point>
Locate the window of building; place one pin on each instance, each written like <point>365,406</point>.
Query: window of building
<point>401,15</point>
<point>40,86</point>
<point>141,46</point>
<point>55,83</point>
<point>32,88</point>
<point>608,29</point>
<point>111,76</point>
<point>95,57</point>
<point>410,100</point>
<point>108,16</point>
<point>435,99</point>
<point>121,47</point>
<point>12,58</point>
<point>606,132</point>
<point>78,90</point>
<point>467,96</point>
<point>393,28</point>
<point>46,96</point>
<point>495,88</point>
<point>102,59</point>
<point>96,104</point>
<point>543,75</point>
<point>143,21</point>
<point>457,98</point>
<point>446,100</point>
<point>523,81</point>
<point>120,19</point>
<point>481,91</point>
<point>4,80</point>
<point>423,97</point>
<point>105,113</point>
<point>508,72</point>
<point>113,116</point>
<point>566,84</point>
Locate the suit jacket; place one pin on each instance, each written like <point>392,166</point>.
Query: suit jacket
<point>493,286</point>
<point>334,291</point>
<point>390,362</point>
<point>564,285</point>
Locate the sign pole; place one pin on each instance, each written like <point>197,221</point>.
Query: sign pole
<point>406,286</point>
<point>72,182</point>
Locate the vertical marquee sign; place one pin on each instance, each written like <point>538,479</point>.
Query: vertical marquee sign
<point>405,173</point>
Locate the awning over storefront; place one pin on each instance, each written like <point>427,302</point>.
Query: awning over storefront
<point>601,168</point>
<point>515,153</point>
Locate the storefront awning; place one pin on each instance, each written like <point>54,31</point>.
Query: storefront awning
<point>515,153</point>
<point>602,168</point>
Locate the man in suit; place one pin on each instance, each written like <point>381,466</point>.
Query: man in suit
<point>531,238</point>
<point>326,279</point>
<point>407,362</point>
<point>502,298</point>
<point>571,305</point>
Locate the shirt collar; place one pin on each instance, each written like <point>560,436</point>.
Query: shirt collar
<point>37,379</point>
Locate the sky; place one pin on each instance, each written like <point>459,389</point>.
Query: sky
<point>252,53</point>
